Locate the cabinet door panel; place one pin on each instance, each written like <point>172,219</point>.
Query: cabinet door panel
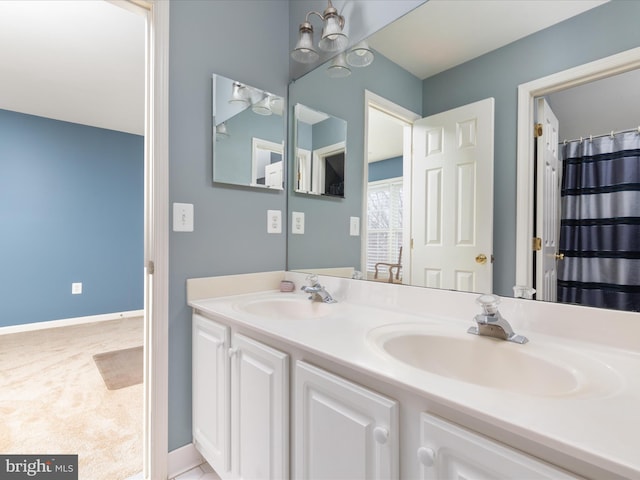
<point>211,392</point>
<point>448,451</point>
<point>342,430</point>
<point>260,413</point>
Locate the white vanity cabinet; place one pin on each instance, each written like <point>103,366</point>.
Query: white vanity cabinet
<point>240,403</point>
<point>211,384</point>
<point>342,430</point>
<point>447,451</point>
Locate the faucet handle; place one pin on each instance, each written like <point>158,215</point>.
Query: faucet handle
<point>489,303</point>
<point>312,279</point>
<point>522,291</point>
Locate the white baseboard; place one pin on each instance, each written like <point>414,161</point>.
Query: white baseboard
<point>28,327</point>
<point>183,459</point>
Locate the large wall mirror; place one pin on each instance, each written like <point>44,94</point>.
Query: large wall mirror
<point>248,135</point>
<point>414,78</point>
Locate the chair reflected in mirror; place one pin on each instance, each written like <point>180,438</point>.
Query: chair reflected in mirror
<point>393,278</point>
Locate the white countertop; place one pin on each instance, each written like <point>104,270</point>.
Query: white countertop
<point>598,427</point>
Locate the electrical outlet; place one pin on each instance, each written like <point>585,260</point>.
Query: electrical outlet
<point>354,226</point>
<point>297,223</point>
<point>183,217</point>
<point>76,288</point>
<point>274,221</point>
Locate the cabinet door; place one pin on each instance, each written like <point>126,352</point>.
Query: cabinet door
<point>451,452</point>
<point>260,410</point>
<point>211,392</point>
<point>342,430</point>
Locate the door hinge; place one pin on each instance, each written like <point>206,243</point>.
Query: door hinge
<point>536,244</point>
<point>411,244</point>
<point>537,130</point>
<point>151,268</point>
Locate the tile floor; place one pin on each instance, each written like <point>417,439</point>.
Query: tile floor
<point>203,472</point>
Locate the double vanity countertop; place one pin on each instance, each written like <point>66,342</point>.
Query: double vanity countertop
<point>576,396</point>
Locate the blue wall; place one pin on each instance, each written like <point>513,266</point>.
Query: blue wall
<point>600,32</point>
<point>71,210</point>
<point>383,169</point>
<point>329,132</point>
<point>247,41</point>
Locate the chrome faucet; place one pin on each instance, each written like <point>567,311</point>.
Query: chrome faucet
<point>317,291</point>
<point>491,324</point>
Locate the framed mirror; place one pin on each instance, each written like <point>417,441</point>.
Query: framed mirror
<point>248,135</point>
<point>320,151</point>
<point>432,83</point>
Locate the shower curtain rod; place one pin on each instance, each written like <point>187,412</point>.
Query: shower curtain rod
<point>611,134</point>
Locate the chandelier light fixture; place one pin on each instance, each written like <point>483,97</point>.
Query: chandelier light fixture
<point>333,39</point>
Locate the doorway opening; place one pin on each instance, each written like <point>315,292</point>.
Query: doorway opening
<point>386,189</point>
<point>527,95</point>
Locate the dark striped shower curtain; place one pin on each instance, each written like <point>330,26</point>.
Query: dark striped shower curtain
<point>600,222</point>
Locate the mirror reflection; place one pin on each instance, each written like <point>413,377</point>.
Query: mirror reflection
<point>320,151</point>
<point>248,135</point>
<point>410,85</point>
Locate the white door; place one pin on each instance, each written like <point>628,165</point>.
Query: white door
<point>452,199</point>
<point>260,410</point>
<point>449,452</point>
<point>549,174</point>
<point>342,430</point>
<point>273,175</point>
<point>304,170</point>
<point>211,392</point>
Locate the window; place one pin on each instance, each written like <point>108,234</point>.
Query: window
<point>384,223</point>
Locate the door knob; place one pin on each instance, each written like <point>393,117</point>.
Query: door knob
<point>559,256</point>
<point>426,456</point>
<point>481,259</point>
<point>380,435</point>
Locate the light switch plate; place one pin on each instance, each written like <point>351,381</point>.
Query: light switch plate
<point>354,226</point>
<point>183,217</point>
<point>274,221</point>
<point>297,223</point>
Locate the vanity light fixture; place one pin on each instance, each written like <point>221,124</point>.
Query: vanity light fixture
<point>360,55</point>
<point>263,107</point>
<point>333,39</point>
<point>221,131</point>
<point>338,67</point>
<point>239,95</point>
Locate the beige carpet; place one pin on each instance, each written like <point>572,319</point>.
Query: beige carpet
<point>53,399</point>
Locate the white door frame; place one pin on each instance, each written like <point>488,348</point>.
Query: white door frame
<point>376,101</point>
<point>573,77</point>
<point>156,237</point>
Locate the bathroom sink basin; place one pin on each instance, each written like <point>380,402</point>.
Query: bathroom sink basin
<point>531,369</point>
<point>287,306</point>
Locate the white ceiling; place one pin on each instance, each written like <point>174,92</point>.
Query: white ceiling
<point>441,34</point>
<point>77,61</point>
<point>597,108</point>
<point>83,61</point>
